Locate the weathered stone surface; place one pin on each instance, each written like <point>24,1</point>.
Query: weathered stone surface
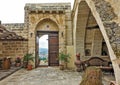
<point>107,15</point>
<point>113,32</point>
<point>13,49</point>
<point>12,44</point>
<point>51,6</point>
<point>37,17</point>
<point>7,35</point>
<point>18,28</point>
<point>53,15</point>
<point>47,76</point>
<point>116,6</point>
<point>43,76</point>
<point>105,10</point>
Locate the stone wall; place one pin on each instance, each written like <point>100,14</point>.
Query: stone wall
<point>94,37</point>
<point>81,27</point>
<point>105,15</point>
<point>55,16</point>
<point>109,18</point>
<point>13,48</point>
<point>19,28</point>
<point>37,18</point>
<point>88,35</point>
<point>97,43</point>
<point>116,7</point>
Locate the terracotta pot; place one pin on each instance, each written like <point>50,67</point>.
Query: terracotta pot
<point>78,56</point>
<point>79,64</point>
<point>25,63</point>
<point>29,67</point>
<point>6,64</point>
<point>18,64</point>
<point>61,67</point>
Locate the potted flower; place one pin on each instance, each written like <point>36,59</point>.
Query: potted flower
<point>28,58</point>
<point>64,59</point>
<point>18,61</point>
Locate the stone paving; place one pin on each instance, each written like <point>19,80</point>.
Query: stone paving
<point>44,76</point>
<point>5,73</point>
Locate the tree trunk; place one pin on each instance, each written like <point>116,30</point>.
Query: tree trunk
<point>92,76</point>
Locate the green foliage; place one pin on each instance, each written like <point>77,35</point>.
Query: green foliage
<point>43,58</point>
<point>28,57</point>
<point>64,57</point>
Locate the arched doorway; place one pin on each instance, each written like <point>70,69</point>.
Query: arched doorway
<point>48,30</point>
<point>47,48</point>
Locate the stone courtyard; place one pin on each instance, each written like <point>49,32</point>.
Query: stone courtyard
<point>91,28</point>
<point>47,76</point>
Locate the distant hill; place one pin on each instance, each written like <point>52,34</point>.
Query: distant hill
<point>43,51</point>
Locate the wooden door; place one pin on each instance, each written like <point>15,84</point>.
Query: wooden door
<point>37,52</point>
<point>53,49</point>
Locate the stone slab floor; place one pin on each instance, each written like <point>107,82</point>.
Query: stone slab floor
<point>44,76</point>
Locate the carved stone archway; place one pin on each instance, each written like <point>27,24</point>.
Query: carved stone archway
<point>49,27</point>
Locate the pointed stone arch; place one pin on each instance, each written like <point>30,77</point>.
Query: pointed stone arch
<point>44,21</point>
<point>47,24</point>
<point>50,26</point>
<point>44,24</point>
<point>81,27</point>
<point>105,20</point>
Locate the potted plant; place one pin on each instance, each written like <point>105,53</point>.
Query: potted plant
<point>64,59</point>
<point>27,61</point>
<point>18,61</point>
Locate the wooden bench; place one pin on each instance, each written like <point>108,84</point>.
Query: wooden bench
<point>100,63</point>
<point>96,61</point>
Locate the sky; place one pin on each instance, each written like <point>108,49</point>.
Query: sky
<point>12,11</point>
<point>43,41</point>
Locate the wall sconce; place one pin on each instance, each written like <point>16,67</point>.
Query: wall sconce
<point>31,34</point>
<point>62,34</point>
<point>47,27</point>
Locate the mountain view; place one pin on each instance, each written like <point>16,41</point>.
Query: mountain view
<point>43,51</point>
<point>43,54</point>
